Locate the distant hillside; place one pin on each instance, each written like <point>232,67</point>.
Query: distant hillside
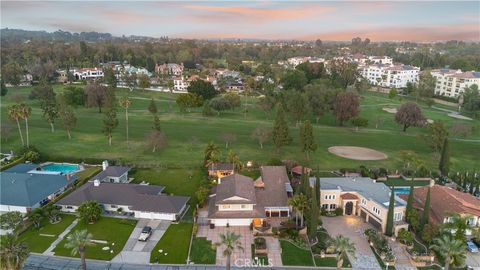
<point>18,35</point>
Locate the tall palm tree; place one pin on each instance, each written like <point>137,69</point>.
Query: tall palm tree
<point>231,241</point>
<point>25,112</point>
<point>299,203</point>
<point>343,246</point>
<point>125,103</point>
<point>77,242</point>
<point>15,114</point>
<point>12,252</point>
<point>212,153</point>
<point>452,250</point>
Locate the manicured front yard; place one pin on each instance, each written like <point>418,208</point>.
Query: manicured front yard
<point>331,262</point>
<point>202,251</point>
<point>38,240</point>
<point>174,245</point>
<point>292,255</point>
<point>113,230</point>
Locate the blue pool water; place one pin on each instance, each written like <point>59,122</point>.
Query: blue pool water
<point>60,167</point>
<point>402,190</point>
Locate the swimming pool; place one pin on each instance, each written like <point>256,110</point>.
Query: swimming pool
<point>63,168</point>
<point>402,190</point>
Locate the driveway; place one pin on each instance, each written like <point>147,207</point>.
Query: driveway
<point>239,257</point>
<point>473,260</point>
<point>353,228</point>
<point>136,251</point>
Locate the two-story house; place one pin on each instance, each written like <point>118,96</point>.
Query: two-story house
<point>361,196</point>
<point>240,201</point>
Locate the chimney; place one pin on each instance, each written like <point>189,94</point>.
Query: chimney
<point>96,183</point>
<point>105,164</point>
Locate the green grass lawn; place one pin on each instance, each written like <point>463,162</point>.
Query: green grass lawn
<point>37,240</point>
<point>203,251</point>
<point>187,135</point>
<point>331,262</point>
<point>292,255</point>
<point>112,230</point>
<point>175,242</point>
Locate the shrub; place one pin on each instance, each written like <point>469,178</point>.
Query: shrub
<point>32,156</point>
<point>405,237</point>
<point>260,243</point>
<point>339,211</point>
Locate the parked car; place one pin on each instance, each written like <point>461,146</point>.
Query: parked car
<point>476,241</point>
<point>472,247</point>
<point>146,232</point>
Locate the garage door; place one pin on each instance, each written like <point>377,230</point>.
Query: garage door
<point>375,223</point>
<point>363,214</point>
<point>232,222</point>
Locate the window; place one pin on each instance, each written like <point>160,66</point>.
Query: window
<point>376,210</point>
<point>397,216</point>
<point>333,206</point>
<point>243,206</point>
<point>226,206</point>
<point>325,206</point>
<point>113,206</point>
<point>330,197</point>
<point>364,202</point>
<point>69,207</point>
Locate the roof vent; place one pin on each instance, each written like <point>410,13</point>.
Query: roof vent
<point>96,183</point>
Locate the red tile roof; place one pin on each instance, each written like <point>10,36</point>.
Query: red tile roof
<point>445,200</point>
<point>299,169</point>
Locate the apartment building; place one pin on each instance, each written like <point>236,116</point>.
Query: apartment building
<point>452,83</point>
<point>390,75</point>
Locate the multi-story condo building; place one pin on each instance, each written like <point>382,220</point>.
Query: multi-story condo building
<point>452,83</point>
<point>390,75</point>
<point>364,197</point>
<point>362,59</point>
<point>88,73</point>
<point>295,61</point>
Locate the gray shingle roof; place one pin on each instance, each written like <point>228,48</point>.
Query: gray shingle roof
<point>220,166</point>
<point>146,198</point>
<point>22,168</point>
<point>23,189</point>
<point>112,171</point>
<point>274,193</point>
<point>236,185</point>
<point>366,186</point>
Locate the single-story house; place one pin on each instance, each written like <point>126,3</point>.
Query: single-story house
<point>220,169</point>
<point>240,201</point>
<point>21,190</point>
<point>142,201</point>
<point>444,201</point>
<point>112,174</point>
<point>364,197</point>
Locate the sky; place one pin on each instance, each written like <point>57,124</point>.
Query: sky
<point>325,20</point>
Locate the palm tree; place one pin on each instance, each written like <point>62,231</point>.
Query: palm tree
<point>25,112</point>
<point>231,241</point>
<point>300,205</point>
<point>212,153</point>
<point>13,253</point>
<point>458,225</point>
<point>36,216</point>
<point>452,250</point>
<point>15,114</point>
<point>125,103</point>
<point>343,247</point>
<point>77,242</point>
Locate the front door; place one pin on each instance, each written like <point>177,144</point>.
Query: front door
<point>349,208</point>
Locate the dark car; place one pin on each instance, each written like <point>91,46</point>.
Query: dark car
<point>476,241</point>
<point>146,232</point>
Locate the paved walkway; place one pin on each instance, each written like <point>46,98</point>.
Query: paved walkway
<point>274,251</point>
<point>402,258</point>
<point>50,249</point>
<point>353,228</point>
<point>246,240</point>
<point>136,251</point>
<point>43,262</point>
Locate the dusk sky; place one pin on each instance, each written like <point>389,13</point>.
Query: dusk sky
<point>417,21</point>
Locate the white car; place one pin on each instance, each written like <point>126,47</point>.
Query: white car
<point>146,232</point>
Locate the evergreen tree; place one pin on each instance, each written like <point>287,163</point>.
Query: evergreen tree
<point>280,134</point>
<point>307,141</point>
<point>317,189</point>
<point>409,201</point>
<point>304,182</point>
<point>313,222</point>
<point>156,123</point>
<point>426,210</point>
<point>152,107</point>
<point>110,121</point>
<point>391,209</point>
<point>444,165</point>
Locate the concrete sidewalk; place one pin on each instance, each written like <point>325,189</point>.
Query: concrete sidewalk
<point>50,249</point>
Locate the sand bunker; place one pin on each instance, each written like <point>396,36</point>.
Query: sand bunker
<point>390,110</point>
<point>357,153</point>
<point>458,116</point>
<point>430,121</point>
